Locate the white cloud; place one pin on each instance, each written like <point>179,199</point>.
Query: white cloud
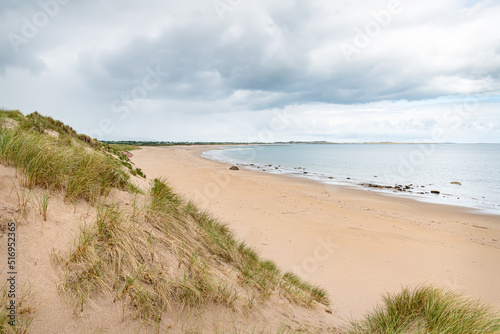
<point>227,78</point>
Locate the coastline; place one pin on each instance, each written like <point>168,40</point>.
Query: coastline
<point>357,244</point>
<point>383,181</point>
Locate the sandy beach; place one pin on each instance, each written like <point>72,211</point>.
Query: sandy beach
<point>356,244</point>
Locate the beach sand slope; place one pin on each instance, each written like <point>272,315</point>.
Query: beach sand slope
<point>357,244</point>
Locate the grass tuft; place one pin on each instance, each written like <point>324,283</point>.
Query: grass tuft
<point>301,292</point>
<point>43,204</point>
<point>24,314</point>
<point>427,309</point>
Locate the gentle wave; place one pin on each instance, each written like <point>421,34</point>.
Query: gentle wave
<point>464,174</point>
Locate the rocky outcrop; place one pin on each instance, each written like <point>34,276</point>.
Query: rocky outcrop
<point>234,168</point>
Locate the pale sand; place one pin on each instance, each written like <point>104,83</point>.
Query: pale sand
<point>39,243</point>
<point>356,244</point>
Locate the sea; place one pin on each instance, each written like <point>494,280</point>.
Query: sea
<point>466,175</point>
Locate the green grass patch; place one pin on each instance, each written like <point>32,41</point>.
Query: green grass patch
<point>429,310</point>
<point>15,115</point>
<point>67,136</point>
<point>43,161</point>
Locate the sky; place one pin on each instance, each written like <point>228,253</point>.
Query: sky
<point>255,70</point>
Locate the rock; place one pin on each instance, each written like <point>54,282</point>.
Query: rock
<point>330,177</point>
<point>275,167</point>
<point>305,172</point>
<point>234,168</point>
<point>371,185</point>
<point>348,178</point>
<point>435,192</point>
<point>252,165</point>
<point>457,183</point>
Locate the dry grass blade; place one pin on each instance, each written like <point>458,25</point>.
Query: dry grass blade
<point>24,314</point>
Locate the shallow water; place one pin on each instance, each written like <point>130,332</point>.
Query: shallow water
<point>425,167</point>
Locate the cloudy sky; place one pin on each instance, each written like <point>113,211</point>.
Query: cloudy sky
<point>255,70</point>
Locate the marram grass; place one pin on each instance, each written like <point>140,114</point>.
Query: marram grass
<point>43,161</point>
<point>427,309</point>
<point>170,253</point>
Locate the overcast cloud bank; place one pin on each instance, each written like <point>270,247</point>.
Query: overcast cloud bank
<point>226,69</point>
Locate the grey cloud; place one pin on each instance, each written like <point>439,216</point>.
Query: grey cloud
<point>261,56</point>
<point>254,60</point>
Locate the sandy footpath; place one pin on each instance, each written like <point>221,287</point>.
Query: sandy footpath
<point>357,244</point>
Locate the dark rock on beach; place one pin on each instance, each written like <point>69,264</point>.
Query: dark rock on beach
<point>234,168</point>
<point>398,187</point>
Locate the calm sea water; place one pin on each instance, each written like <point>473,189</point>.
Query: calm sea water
<point>425,167</point>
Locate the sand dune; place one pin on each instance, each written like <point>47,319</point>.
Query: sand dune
<point>356,244</point>
<point>39,245</point>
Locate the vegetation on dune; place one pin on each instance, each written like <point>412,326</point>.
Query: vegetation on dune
<point>37,125</point>
<point>160,252</point>
<point>166,252</point>
<point>427,309</point>
<point>66,163</point>
<point>46,162</point>
<point>123,147</point>
<point>24,311</point>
